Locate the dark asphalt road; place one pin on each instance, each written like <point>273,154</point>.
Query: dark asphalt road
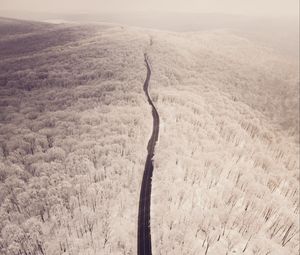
<point>144,231</point>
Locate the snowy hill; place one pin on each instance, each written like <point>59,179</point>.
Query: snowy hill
<point>75,124</point>
<point>74,127</point>
<point>227,165</point>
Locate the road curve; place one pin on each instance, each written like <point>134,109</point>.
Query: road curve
<point>144,232</point>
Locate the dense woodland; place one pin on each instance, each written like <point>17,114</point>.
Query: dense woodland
<point>226,177</point>
<point>74,126</point>
<point>73,135</point>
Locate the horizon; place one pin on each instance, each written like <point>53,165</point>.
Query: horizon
<point>264,8</point>
<point>294,16</point>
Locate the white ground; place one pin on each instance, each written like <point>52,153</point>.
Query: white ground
<point>75,124</point>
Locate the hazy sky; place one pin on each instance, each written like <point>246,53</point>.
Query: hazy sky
<point>260,7</point>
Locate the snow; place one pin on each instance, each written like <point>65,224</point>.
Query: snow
<point>227,165</point>
<point>75,125</point>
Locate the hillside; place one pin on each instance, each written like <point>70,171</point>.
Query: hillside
<point>226,177</point>
<point>74,128</point>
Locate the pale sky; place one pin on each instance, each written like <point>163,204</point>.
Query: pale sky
<point>257,7</point>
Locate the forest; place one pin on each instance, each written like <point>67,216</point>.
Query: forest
<point>74,128</point>
<point>73,134</point>
<point>226,177</point>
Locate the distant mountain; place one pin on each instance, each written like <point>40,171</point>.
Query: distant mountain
<point>276,32</point>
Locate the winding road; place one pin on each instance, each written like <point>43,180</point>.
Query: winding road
<point>144,231</point>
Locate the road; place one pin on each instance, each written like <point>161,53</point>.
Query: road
<point>144,231</point>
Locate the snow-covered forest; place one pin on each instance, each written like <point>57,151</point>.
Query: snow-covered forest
<point>73,135</point>
<point>226,177</point>
<point>74,128</point>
